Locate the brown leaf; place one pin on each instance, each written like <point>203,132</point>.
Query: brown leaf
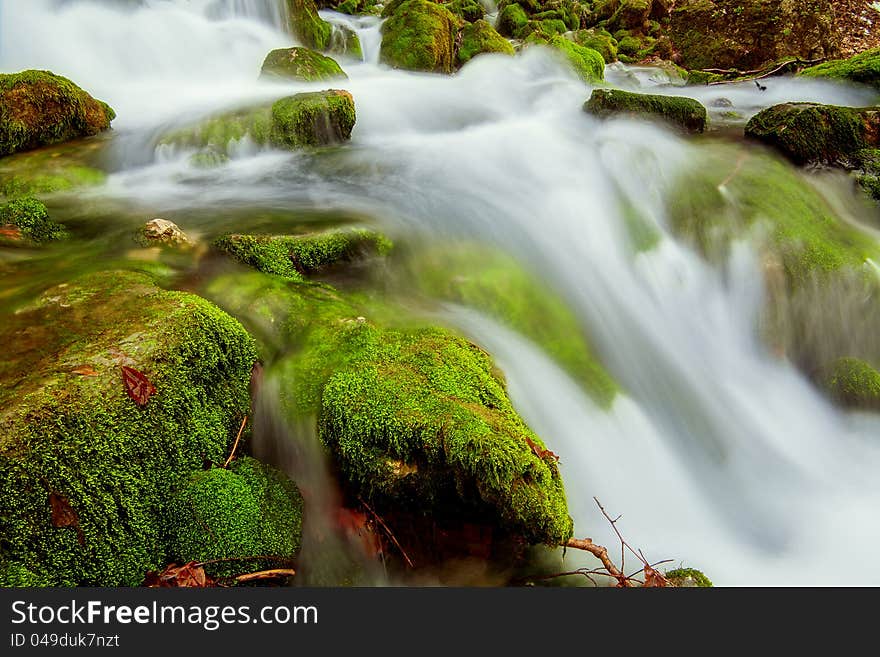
<point>541,453</point>
<point>654,579</point>
<point>63,515</point>
<point>10,232</point>
<point>138,386</point>
<point>84,370</point>
<point>189,575</point>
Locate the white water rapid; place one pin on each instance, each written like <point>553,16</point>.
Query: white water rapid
<point>718,455</point>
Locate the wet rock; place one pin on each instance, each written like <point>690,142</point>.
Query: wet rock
<point>854,383</point>
<point>162,232</point>
<point>685,113</point>
<point>478,38</point>
<point>420,36</point>
<point>863,69</point>
<point>300,64</point>
<point>310,30</point>
<point>317,118</point>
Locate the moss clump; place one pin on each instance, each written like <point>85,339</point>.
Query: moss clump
<point>689,578</point>
<point>31,218</point>
<point>296,256</point>
<point>69,430</point>
<point>701,78</point>
<point>345,42</point>
<point>604,44</point>
<point>317,118</point>
<point>808,133</point>
<point>300,64</point>
<point>685,113</point>
<point>14,575</point>
<point>38,108</point>
<point>311,30</point>
<point>420,36</point>
<point>512,21</point>
<point>478,38</point>
<point>468,10</point>
<point>217,133</point>
<point>854,383</point>
<point>587,63</point>
<point>864,68</point>
<point>249,510</point>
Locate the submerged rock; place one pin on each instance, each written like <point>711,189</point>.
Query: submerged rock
<point>808,133</point>
<point>30,219</point>
<point>318,118</point>
<point>854,383</point>
<point>686,113</point>
<point>88,467</point>
<point>478,38</point>
<point>420,36</point>
<point>300,64</point>
<point>864,68</point>
<point>295,256</point>
<point>162,232</point>
<point>38,108</point>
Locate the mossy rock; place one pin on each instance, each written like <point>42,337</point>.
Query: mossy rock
<point>346,43</point>
<point>301,255</point>
<point>38,108</point>
<point>623,14</point>
<point>604,44</point>
<point>310,30</point>
<point>52,169</point>
<point>864,68</point>
<point>31,219</point>
<point>854,383</point>
<point>301,64</point>
<point>685,113</point>
<point>248,510</point>
<point>629,46</point>
<point>215,134</point>
<point>419,36</point>
<point>688,578</point>
<point>468,10</point>
<point>586,62</point>
<point>318,118</point>
<point>512,21</point>
<point>808,133</point>
<point>72,437</point>
<point>478,38</point>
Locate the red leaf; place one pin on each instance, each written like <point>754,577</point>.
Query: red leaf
<point>63,515</point>
<point>541,453</point>
<point>189,575</point>
<point>138,386</point>
<point>653,578</point>
<point>84,370</point>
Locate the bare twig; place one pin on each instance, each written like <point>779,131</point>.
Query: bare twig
<point>601,554</point>
<point>235,445</point>
<point>388,532</point>
<point>265,574</point>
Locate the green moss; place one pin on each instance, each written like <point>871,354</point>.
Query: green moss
<point>310,29</point>
<point>686,113</point>
<point>345,42</point>
<point>512,21</point>
<point>810,133</point>
<point>218,132</point>
<point>31,217</point>
<point>249,510</point>
<point>701,78</point>
<point>316,118</point>
<point>854,383</point>
<point>629,46</point>
<point>468,10</point>
<point>604,44</point>
<point>82,438</point>
<point>497,285</point>
<point>14,575</point>
<point>300,64</point>
<point>480,37</point>
<point>688,577</point>
<point>864,68</point>
<point>38,108</point>
<point>296,256</point>
<point>587,63</point>
<point>419,36</point>
<point>208,158</point>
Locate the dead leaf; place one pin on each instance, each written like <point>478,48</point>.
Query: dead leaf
<point>138,386</point>
<point>10,232</point>
<point>654,579</point>
<point>541,453</point>
<point>84,370</point>
<point>63,515</point>
<point>189,575</point>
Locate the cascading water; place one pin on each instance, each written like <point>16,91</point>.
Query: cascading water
<point>718,454</point>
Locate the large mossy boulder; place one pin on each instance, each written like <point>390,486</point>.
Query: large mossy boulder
<point>217,133</point>
<point>310,30</point>
<point>623,14</point>
<point>512,20</point>
<point>246,517</point>
<point>478,38</point>
<point>808,133</point>
<point>747,34</point>
<point>854,383</point>
<point>297,256</point>
<point>420,36</point>
<point>38,108</point>
<point>417,419</point>
<point>300,64</point>
<point>586,62</point>
<point>89,464</point>
<point>685,113</point>
<point>318,118</point>
<point>864,68</point>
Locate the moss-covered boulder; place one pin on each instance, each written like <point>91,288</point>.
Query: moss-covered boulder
<point>248,510</point>
<point>28,219</point>
<point>215,134</point>
<point>480,37</point>
<point>301,255</point>
<point>863,68</point>
<point>346,43</point>
<point>51,169</point>
<point>420,36</point>
<point>88,465</point>
<point>310,30</point>
<point>686,113</point>
<point>300,64</point>
<point>586,62</point>
<point>38,108</point>
<point>688,578</point>
<point>746,34</point>
<point>854,383</point>
<point>512,20</point>
<point>468,10</point>
<point>808,133</point>
<point>602,43</point>
<point>318,118</point>
<point>623,14</point>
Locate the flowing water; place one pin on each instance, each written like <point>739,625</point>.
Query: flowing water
<point>718,455</point>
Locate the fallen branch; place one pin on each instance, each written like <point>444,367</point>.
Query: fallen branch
<point>601,554</point>
<point>265,574</point>
<point>235,445</point>
<point>760,74</point>
<point>388,531</point>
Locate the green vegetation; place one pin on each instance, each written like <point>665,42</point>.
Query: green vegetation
<point>32,220</point>
<point>854,383</point>
<point>72,435</point>
<point>512,21</point>
<point>688,577</point>
<point>685,113</point>
<point>310,30</point>
<point>215,133</point>
<point>864,68</point>
<point>246,511</point>
<point>419,36</point>
<point>468,10</point>
<point>316,118</point>
<point>587,63</point>
<point>300,64</point>
<point>480,37</point>
<point>38,108</point>
<point>603,43</point>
